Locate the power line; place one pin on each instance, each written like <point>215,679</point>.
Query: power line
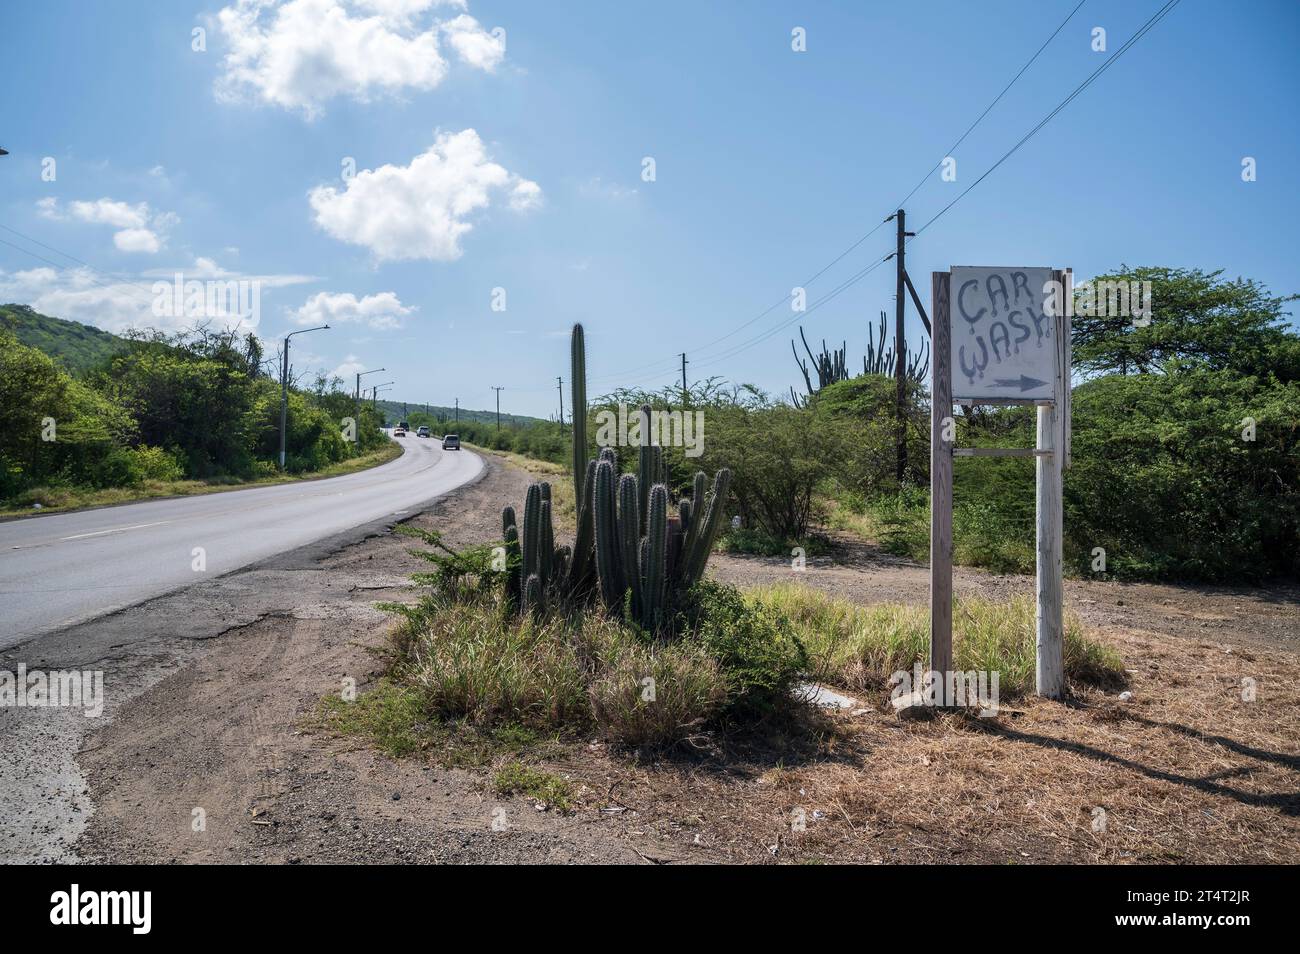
<point>63,268</point>
<point>873,230</point>
<point>1110,61</point>
<point>990,106</point>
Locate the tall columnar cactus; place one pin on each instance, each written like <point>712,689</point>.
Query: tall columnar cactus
<point>514,574</point>
<point>705,531</point>
<point>654,571</point>
<point>534,596</point>
<point>609,566</point>
<point>578,390</point>
<point>532,530</point>
<point>584,539</point>
<point>629,536</point>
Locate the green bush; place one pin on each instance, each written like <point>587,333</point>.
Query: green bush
<point>759,653</point>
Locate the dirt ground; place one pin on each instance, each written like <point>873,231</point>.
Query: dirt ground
<point>213,759</point>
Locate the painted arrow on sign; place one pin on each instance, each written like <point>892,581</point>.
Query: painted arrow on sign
<point>1025,383</point>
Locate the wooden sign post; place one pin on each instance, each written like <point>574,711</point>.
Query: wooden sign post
<point>1009,345</point>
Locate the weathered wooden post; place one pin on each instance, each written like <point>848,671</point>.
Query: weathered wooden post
<point>941,446</point>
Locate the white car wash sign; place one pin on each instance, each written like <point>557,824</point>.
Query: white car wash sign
<point>1003,333</point>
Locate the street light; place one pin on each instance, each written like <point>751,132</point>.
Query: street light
<point>360,373</point>
<point>284,385</point>
<point>374,392</point>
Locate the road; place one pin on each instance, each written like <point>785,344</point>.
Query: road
<point>63,569</point>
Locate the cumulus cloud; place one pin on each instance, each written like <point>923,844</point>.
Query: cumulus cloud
<point>118,304</point>
<point>299,54</point>
<point>421,210</point>
<point>140,229</point>
<point>384,310</point>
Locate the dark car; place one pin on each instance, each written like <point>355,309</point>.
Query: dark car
<point>451,442</point>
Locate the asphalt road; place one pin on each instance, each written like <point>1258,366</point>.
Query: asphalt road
<point>63,569</point>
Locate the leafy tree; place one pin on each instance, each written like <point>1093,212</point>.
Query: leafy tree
<point>1198,318</point>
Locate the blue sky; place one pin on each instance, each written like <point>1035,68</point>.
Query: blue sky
<point>514,161</point>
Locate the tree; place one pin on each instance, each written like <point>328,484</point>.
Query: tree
<point>1198,318</point>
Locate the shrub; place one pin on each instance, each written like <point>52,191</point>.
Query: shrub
<point>476,662</point>
<point>654,697</point>
<point>759,653</point>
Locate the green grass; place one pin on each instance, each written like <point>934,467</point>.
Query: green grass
<point>860,647</point>
<point>390,716</point>
<point>983,535</point>
<point>516,778</point>
<point>61,499</point>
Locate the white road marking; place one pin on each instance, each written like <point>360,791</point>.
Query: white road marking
<point>100,533</point>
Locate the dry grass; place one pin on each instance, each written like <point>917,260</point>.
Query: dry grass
<point>1184,772</point>
<point>564,513</point>
<point>859,647</point>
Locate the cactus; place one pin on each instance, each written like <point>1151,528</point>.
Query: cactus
<point>532,530</point>
<point>513,569</point>
<point>609,567</point>
<point>534,596</point>
<point>578,390</point>
<point>701,543</point>
<point>654,571</point>
<point>629,523</point>
<point>628,550</point>
<point>584,539</point>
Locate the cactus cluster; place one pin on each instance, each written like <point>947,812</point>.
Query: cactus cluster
<point>535,567</point>
<point>629,550</point>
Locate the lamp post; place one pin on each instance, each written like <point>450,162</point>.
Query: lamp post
<point>374,392</point>
<point>284,385</point>
<point>357,396</point>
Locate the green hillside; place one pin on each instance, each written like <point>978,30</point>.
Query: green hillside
<point>77,347</point>
<point>393,411</point>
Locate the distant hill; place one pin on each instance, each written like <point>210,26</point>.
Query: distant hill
<point>78,347</point>
<point>393,411</point>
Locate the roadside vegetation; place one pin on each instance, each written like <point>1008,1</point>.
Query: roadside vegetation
<point>1185,465</point>
<point>619,633</point>
<point>155,415</point>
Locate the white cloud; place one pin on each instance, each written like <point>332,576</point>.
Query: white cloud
<point>116,304</point>
<point>136,240</point>
<point>473,44</point>
<point>597,188</point>
<point>299,54</point>
<point>420,211</point>
<point>348,369</point>
<point>140,229</point>
<point>383,310</point>
<point>111,212</point>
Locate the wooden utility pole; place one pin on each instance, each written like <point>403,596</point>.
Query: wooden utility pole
<point>458,413</point>
<point>498,390</point>
<point>942,436</point>
<point>900,345</point>
<point>685,393</point>
<point>559,384</point>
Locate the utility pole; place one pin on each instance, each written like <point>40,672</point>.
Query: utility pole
<point>356,397</point>
<point>900,341</point>
<point>457,413</point>
<point>684,391</point>
<point>498,390</point>
<point>284,385</point>
<point>559,384</point>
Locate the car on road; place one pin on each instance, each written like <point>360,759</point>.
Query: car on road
<point>399,431</point>
<point>451,442</point>
<point>423,431</point>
